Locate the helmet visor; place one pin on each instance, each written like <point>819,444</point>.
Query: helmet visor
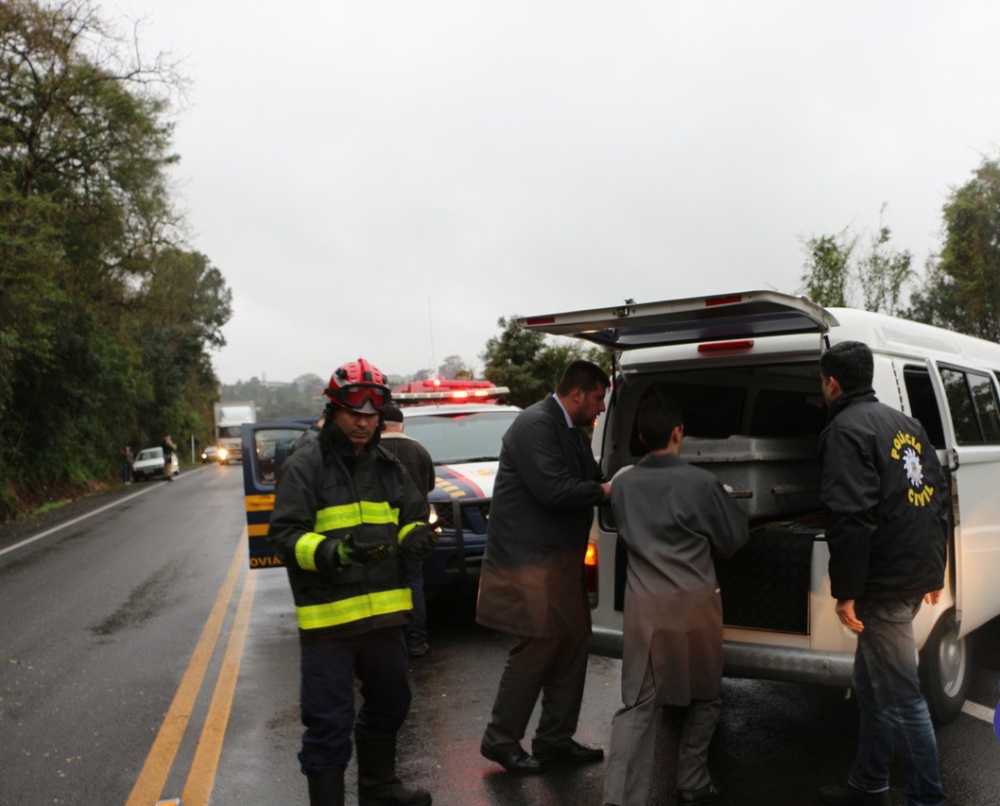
<point>366,398</point>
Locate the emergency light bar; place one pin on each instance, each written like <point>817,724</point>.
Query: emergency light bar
<point>453,395</point>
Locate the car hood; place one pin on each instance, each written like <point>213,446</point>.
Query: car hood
<point>469,480</point>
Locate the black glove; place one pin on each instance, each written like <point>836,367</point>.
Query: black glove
<point>418,543</point>
<point>383,551</point>
<point>333,554</point>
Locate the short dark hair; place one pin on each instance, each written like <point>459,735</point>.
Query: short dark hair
<point>851,363</point>
<point>392,414</point>
<point>659,415</point>
<point>583,375</point>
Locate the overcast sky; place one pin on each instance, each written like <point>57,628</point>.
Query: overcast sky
<point>387,179</point>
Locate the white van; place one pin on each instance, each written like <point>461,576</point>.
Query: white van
<point>745,368</point>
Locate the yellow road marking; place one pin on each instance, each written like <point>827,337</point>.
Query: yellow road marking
<point>198,788</point>
<point>153,776</point>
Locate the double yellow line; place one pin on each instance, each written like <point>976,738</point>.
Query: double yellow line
<point>148,789</point>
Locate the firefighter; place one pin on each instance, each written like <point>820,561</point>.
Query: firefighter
<point>346,518</point>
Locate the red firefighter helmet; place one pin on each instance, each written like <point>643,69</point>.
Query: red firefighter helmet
<point>359,386</point>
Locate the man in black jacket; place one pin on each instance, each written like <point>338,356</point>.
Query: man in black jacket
<point>887,502</point>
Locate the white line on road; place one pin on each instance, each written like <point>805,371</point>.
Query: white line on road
<point>978,711</point>
<point>55,529</point>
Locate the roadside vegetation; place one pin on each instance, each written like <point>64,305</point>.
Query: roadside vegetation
<point>106,315</point>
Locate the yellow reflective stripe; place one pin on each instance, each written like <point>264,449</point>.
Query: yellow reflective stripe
<point>305,550</point>
<point>259,503</point>
<point>409,528</point>
<point>340,517</point>
<point>345,516</point>
<point>332,614</point>
<point>257,529</point>
<point>378,512</point>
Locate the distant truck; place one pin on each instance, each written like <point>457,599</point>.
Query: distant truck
<point>229,416</point>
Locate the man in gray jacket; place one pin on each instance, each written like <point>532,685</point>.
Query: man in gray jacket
<point>532,581</point>
<point>673,517</point>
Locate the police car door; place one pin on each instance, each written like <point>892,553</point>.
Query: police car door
<point>972,435</point>
<point>265,446</point>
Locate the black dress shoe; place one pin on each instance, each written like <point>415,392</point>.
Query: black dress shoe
<point>852,796</point>
<point>513,760</point>
<point>709,793</point>
<point>570,752</point>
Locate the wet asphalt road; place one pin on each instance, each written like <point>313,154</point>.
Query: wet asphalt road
<point>100,622</point>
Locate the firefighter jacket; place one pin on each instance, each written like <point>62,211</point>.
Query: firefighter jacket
<point>887,500</point>
<point>324,494</point>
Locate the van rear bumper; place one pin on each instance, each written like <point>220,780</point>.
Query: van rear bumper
<point>758,661</point>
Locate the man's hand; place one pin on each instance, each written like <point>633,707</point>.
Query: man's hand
<point>845,612</point>
<point>933,597</point>
<point>606,489</point>
<point>419,543</point>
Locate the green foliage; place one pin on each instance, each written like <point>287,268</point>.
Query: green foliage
<point>280,401</point>
<point>836,275</point>
<point>530,367</point>
<point>105,317</point>
<point>962,291</point>
<point>828,269</point>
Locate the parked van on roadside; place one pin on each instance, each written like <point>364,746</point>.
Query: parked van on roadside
<point>745,368</point>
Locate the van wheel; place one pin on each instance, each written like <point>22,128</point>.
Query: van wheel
<point>945,670</point>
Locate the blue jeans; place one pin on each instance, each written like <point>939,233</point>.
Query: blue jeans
<point>894,716</point>
<point>378,658</point>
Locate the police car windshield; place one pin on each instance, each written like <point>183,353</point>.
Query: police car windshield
<point>461,437</point>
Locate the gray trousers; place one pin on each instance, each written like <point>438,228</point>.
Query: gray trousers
<point>627,778</point>
<point>556,669</point>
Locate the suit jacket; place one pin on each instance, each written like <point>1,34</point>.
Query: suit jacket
<point>547,484</point>
<point>673,517</point>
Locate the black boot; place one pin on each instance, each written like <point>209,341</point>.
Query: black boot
<point>377,781</point>
<point>327,788</point>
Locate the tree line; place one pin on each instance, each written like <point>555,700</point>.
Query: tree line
<point>960,287</point>
<point>106,315</point>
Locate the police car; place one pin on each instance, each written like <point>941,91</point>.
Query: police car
<point>461,424</point>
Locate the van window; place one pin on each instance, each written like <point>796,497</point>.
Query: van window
<point>972,400</point>
<point>924,404</point>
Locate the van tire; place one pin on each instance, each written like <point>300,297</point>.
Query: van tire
<point>945,670</point>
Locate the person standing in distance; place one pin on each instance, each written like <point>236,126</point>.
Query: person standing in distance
<point>168,447</point>
<point>532,580</point>
<point>887,502</point>
<point>127,461</point>
<point>673,518</point>
<point>346,517</point>
<point>420,466</point>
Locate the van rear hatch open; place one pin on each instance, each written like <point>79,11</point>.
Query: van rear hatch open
<point>742,315</point>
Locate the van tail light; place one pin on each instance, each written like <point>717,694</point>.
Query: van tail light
<point>725,346</point>
<point>590,573</point>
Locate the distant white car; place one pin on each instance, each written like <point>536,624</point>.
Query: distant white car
<point>149,464</point>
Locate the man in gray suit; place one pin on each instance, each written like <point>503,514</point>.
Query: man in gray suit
<point>532,580</point>
<point>673,517</point>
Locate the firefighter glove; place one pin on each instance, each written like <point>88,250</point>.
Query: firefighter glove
<point>332,555</point>
<point>418,543</point>
<point>367,554</point>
